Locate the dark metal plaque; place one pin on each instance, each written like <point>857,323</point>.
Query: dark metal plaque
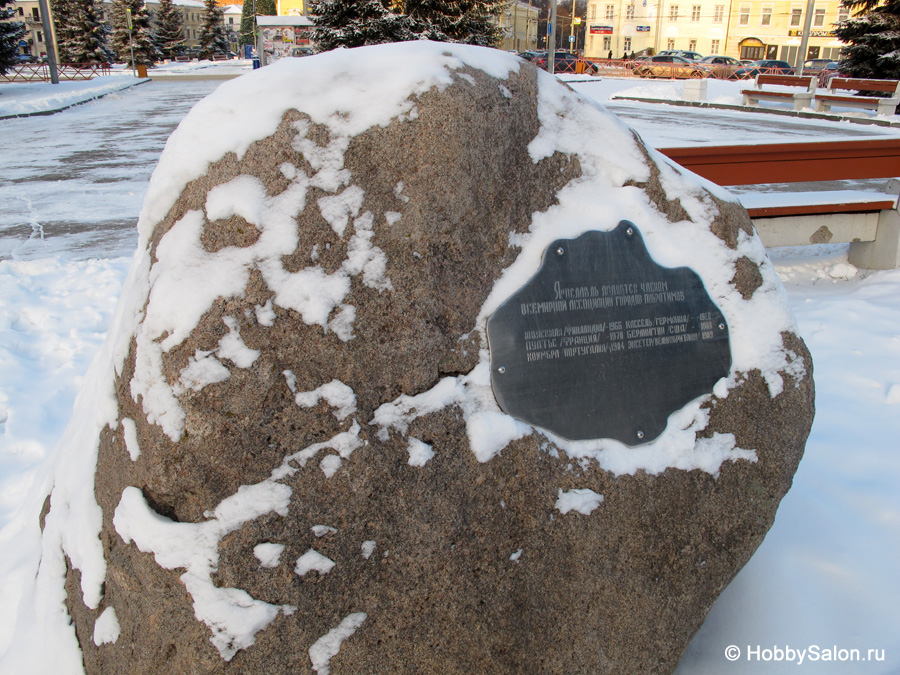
<point>605,343</point>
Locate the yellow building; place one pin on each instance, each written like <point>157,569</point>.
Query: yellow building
<point>767,29</point>
<point>519,22</point>
<point>623,26</point>
<point>290,7</point>
<point>744,29</point>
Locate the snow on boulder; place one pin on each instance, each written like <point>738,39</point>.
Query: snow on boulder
<point>300,365</point>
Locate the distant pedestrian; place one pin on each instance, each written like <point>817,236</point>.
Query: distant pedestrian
<point>609,58</point>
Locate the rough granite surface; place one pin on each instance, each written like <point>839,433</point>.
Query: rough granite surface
<point>620,591</point>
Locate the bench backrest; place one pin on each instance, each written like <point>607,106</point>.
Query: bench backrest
<point>787,80</point>
<point>886,86</point>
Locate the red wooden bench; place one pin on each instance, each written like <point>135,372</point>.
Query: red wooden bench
<point>868,221</point>
<point>882,105</point>
<point>801,99</point>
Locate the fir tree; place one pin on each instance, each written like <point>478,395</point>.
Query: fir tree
<point>355,23</point>
<point>89,42</point>
<point>169,29</point>
<point>10,34</point>
<point>873,40</point>
<point>65,21</point>
<point>467,21</point>
<point>145,52</point>
<point>213,38</point>
<point>252,9</point>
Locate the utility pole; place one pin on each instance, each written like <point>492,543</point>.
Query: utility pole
<point>49,39</point>
<point>572,30</point>
<point>130,24</point>
<point>551,38</point>
<point>804,41</point>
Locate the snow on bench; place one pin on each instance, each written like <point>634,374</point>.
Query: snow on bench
<point>800,99</point>
<point>868,220</point>
<point>883,106</point>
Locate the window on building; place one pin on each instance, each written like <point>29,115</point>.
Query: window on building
<point>593,12</point>
<point>692,45</point>
<point>796,16</point>
<point>673,13</point>
<point>819,17</point>
<point>719,13</point>
<point>607,43</point>
<point>35,14</point>
<point>627,42</point>
<point>695,13</point>
<point>765,17</point>
<point>231,20</point>
<point>629,12</point>
<point>610,12</point>
<point>21,11</point>
<point>40,36</point>
<point>843,13</point>
<point>744,16</point>
<point>670,44</point>
<point>714,45</point>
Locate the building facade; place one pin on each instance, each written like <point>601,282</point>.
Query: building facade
<point>35,43</point>
<point>519,22</point>
<point>744,29</point>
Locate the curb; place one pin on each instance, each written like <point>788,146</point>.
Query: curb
<point>72,105</point>
<point>804,114</point>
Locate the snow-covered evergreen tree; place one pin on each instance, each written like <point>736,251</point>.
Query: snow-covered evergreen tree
<point>88,44</point>
<point>467,21</point>
<point>872,39</point>
<point>65,21</point>
<point>145,52</point>
<point>213,37</point>
<point>169,29</point>
<point>252,9</point>
<point>10,34</point>
<point>353,23</point>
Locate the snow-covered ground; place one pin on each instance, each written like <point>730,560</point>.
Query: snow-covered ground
<point>824,579</point>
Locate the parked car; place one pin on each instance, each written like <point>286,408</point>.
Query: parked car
<point>815,66</point>
<point>722,67</point>
<point>25,58</point>
<point>828,73</point>
<point>764,66</point>
<point>530,56</point>
<point>565,62</point>
<point>676,67</point>
<point>683,53</point>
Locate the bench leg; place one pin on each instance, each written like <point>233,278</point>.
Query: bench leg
<point>887,108</point>
<point>884,252</point>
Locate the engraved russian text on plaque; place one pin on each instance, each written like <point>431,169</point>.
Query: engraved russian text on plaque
<point>603,342</point>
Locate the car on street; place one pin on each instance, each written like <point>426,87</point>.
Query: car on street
<point>683,53</point>
<point>671,67</point>
<point>722,67</point>
<point>565,62</point>
<point>828,73</point>
<point>25,58</point>
<point>764,67</point>
<point>815,66</point>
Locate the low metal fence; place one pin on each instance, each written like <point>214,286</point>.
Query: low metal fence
<point>629,68</point>
<point>40,72</point>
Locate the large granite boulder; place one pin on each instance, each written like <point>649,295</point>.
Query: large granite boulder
<point>297,463</point>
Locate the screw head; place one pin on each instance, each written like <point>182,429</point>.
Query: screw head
<point>501,369</point>
<point>721,326</point>
<point>629,231</point>
<point>560,250</point>
<point>640,434</point>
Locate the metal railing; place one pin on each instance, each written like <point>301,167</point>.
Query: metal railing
<point>40,72</point>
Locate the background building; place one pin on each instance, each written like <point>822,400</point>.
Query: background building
<point>744,29</point>
<point>519,21</point>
